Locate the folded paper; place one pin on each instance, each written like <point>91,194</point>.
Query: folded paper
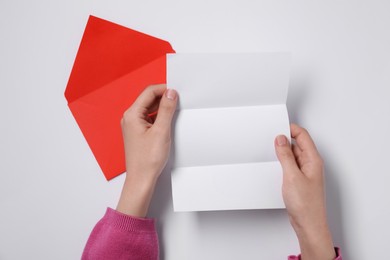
<point>232,106</point>
<point>113,66</point>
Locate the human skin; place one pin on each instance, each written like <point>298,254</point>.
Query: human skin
<point>303,193</point>
<point>147,142</point>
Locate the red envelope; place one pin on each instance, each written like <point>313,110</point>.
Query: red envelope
<point>113,66</point>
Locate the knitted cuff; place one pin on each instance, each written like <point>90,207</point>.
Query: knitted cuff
<point>129,223</point>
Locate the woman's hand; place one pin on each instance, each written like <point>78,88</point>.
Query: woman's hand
<point>303,193</point>
<point>147,141</point>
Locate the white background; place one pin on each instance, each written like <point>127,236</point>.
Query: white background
<point>52,191</point>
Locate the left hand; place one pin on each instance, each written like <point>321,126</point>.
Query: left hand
<point>147,141</point>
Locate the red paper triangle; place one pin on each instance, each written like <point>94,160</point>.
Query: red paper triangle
<point>114,64</point>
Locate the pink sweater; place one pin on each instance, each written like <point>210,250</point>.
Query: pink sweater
<point>118,236</point>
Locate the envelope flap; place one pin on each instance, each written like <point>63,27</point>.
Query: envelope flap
<point>107,52</point>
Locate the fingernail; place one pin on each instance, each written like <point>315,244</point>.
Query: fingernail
<point>281,140</point>
<point>170,94</point>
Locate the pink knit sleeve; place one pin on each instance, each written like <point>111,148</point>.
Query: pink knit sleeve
<point>119,236</point>
<point>298,257</point>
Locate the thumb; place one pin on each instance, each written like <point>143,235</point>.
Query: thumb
<point>166,110</point>
<point>285,154</point>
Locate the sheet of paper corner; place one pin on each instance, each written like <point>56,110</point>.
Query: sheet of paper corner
<point>231,107</point>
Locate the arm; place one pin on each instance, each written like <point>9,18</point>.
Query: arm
<point>125,233</point>
<point>303,194</point>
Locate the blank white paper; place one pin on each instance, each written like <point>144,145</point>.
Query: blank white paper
<point>231,107</point>
<point>228,135</point>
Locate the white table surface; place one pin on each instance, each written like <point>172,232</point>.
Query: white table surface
<point>52,191</point>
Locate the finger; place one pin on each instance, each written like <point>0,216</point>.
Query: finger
<point>285,154</point>
<point>154,107</point>
<point>152,116</point>
<point>148,97</point>
<point>296,150</point>
<point>166,110</point>
<point>304,141</point>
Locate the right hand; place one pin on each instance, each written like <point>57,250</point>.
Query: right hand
<point>303,193</point>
